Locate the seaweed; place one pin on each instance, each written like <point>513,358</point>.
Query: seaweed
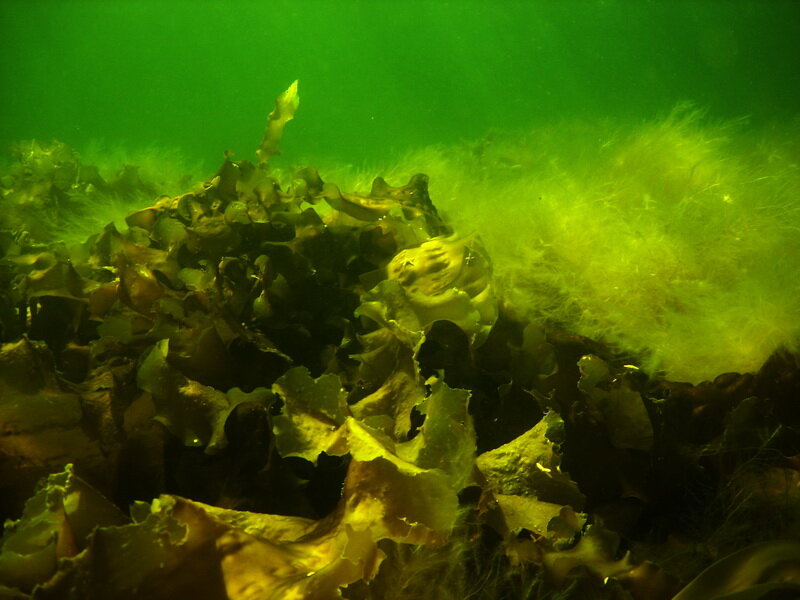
<point>265,387</point>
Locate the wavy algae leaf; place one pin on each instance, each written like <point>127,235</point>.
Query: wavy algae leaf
<point>177,548</point>
<point>285,107</point>
<point>621,408</point>
<point>193,412</point>
<point>56,524</point>
<point>313,409</point>
<point>447,438</point>
<point>530,465</point>
<point>544,519</point>
<point>390,496</point>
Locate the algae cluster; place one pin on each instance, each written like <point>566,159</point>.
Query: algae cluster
<point>270,388</point>
<point>673,239</point>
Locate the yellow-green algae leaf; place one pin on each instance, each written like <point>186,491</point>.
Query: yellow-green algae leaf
<point>544,519</point>
<point>534,359</point>
<point>596,551</point>
<point>194,412</point>
<point>529,465</point>
<point>391,496</point>
<point>447,438</point>
<point>43,424</point>
<point>412,198</point>
<point>389,367</point>
<point>399,501</point>
<point>408,491</point>
<point>285,107</point>
<point>358,207</point>
<point>7,593</point>
<point>621,409</point>
<point>313,409</point>
<point>177,548</point>
<point>49,275</point>
<point>394,400</point>
<point>55,524</point>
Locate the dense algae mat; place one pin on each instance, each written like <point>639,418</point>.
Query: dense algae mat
<point>270,388</point>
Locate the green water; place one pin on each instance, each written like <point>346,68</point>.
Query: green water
<point>380,76</point>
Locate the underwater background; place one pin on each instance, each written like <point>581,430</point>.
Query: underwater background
<point>380,77</point>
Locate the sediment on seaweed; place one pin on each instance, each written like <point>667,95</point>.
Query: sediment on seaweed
<point>268,387</point>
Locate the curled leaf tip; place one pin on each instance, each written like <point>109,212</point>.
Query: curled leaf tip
<point>285,106</point>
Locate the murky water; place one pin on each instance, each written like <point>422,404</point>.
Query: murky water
<point>380,77</point>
